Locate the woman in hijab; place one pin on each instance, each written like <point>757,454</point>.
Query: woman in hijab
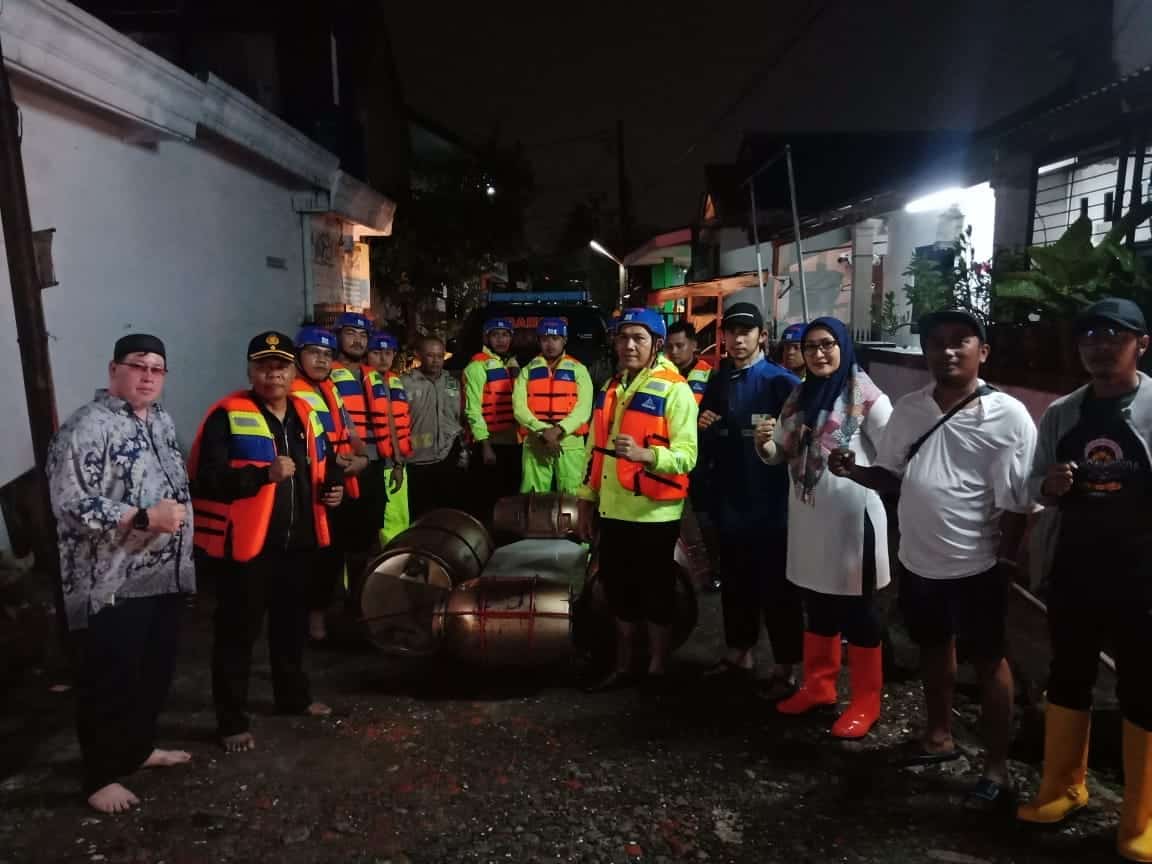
<point>837,530</point>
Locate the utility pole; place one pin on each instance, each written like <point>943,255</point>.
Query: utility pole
<point>32,335</point>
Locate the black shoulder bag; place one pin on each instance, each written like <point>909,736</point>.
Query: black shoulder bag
<point>982,390</point>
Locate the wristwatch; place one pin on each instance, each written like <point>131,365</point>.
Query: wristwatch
<point>140,520</point>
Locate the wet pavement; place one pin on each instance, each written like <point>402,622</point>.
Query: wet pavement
<point>431,763</point>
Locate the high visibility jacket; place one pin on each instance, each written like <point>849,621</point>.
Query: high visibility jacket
<point>389,415</point>
<point>698,376</point>
<point>642,417</point>
<point>552,394</point>
<point>494,408</point>
<point>349,383</point>
<point>324,399</point>
<point>237,529</point>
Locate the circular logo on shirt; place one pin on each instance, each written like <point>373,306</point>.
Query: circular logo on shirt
<point>1101,457</point>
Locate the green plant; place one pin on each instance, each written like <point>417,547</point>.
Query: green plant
<point>1073,272</point>
<point>950,278</point>
<point>885,319</point>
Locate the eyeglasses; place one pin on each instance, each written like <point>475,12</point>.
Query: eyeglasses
<point>1103,336</point>
<point>143,369</point>
<point>824,347</point>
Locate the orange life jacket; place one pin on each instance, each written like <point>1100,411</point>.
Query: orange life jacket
<point>496,399</point>
<point>349,383</point>
<point>388,411</point>
<point>324,399</point>
<point>236,530</point>
<point>698,376</point>
<point>642,418</point>
<point>552,391</point>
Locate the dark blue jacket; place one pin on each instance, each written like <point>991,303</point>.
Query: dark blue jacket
<point>747,493</point>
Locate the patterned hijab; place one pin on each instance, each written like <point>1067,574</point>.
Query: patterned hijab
<point>824,414</point>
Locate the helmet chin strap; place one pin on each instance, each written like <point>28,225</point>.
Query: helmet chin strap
<point>657,347</point>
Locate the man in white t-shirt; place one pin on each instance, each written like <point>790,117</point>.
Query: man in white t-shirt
<point>963,488</point>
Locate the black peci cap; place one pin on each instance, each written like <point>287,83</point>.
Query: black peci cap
<point>137,343</point>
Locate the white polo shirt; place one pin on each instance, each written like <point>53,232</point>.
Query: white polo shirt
<point>964,477</point>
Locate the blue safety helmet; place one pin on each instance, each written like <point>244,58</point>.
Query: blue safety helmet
<point>498,324</point>
<point>793,332</point>
<point>552,327</point>
<point>353,320</point>
<point>382,340</point>
<point>649,319</point>
<point>313,335</point>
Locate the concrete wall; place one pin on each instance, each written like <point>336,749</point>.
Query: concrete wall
<point>172,239</point>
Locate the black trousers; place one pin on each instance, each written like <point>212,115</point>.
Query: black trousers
<point>437,484</point>
<point>1101,599</point>
<point>355,539</point>
<point>754,585</point>
<point>488,483</point>
<point>272,583</point>
<point>126,659</point>
<point>636,566</point>
<point>853,617</point>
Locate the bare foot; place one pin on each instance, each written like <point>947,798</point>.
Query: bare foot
<point>166,758</point>
<point>112,798</point>
<point>239,743</point>
<point>318,709</point>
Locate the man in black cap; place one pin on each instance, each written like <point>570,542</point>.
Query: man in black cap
<point>263,476</point>
<point>751,505</point>
<point>959,453</point>
<point>1094,463</point>
<point>120,494</point>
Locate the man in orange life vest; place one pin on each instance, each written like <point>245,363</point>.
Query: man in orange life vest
<point>552,402</point>
<point>263,479</point>
<point>358,520</point>
<point>392,427</point>
<point>488,381</point>
<point>640,449</point>
<point>681,350</point>
<point>313,384</point>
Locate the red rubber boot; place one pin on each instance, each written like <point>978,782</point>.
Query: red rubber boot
<point>821,669</point>
<point>866,667</point>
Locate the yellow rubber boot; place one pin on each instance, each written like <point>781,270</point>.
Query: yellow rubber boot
<point>1062,789</point>
<point>1134,840</point>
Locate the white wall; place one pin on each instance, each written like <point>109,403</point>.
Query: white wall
<point>171,240</point>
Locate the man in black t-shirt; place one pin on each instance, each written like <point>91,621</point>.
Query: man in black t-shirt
<point>1093,462</point>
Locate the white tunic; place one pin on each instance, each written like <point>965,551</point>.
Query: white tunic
<point>826,537</point>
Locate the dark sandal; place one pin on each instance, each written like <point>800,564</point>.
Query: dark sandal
<point>776,688</point>
<point>912,754</point>
<point>988,796</point>
<point>725,668</point>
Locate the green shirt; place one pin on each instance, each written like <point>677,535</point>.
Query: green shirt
<point>679,457</point>
<point>475,377</point>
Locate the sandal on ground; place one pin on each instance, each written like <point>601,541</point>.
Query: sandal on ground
<point>776,688</point>
<point>615,680</point>
<point>988,796</point>
<point>912,754</point>
<point>726,668</point>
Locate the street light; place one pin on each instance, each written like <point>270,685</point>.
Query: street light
<point>596,247</point>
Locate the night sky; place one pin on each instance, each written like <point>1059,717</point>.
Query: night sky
<point>687,83</point>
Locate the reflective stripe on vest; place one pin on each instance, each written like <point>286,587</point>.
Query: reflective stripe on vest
<point>496,398</point>
<point>238,529</point>
<point>325,401</point>
<point>553,392</point>
<point>643,419</point>
<point>389,414</point>
<point>698,377</point>
<point>350,385</point>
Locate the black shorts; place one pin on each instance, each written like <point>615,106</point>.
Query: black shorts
<point>637,564</point>
<point>972,609</point>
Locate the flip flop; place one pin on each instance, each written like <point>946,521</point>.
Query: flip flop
<point>988,796</point>
<point>725,668</point>
<point>912,754</point>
